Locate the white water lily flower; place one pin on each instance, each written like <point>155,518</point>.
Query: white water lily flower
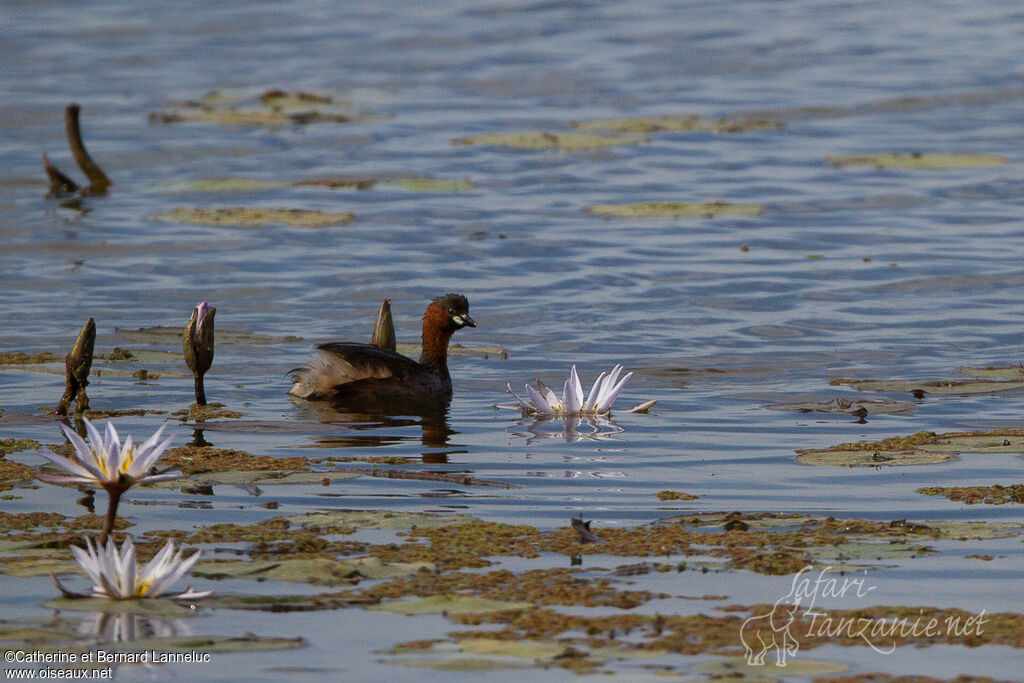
<point>606,389</point>
<point>115,574</point>
<point>106,462</point>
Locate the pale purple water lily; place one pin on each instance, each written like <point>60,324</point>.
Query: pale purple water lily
<point>115,573</point>
<point>105,461</point>
<point>202,308</point>
<point>602,395</point>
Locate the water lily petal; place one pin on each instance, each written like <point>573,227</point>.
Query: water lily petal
<point>81,471</point>
<point>539,402</point>
<point>595,392</point>
<point>550,397</point>
<point>572,393</point>
<point>522,404</point>
<point>609,395</point>
<point>643,407</point>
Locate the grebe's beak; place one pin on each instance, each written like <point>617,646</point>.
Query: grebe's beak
<point>463,320</point>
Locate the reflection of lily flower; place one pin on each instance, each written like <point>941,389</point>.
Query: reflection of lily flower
<point>601,429</point>
<point>116,575</point>
<point>606,389</point>
<point>104,461</point>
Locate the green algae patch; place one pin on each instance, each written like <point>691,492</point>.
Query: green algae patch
<point>973,495</point>
<point>538,140</point>
<point>484,351</point>
<point>203,643</point>
<point>937,387</point>
<point>917,161</point>
<point>448,604</point>
<point>375,519</point>
<point>675,210</point>
<point>12,445</point>
<point>675,495</point>
<point>13,473</point>
<point>432,184</point>
<point>915,449</point>
<point>271,108</point>
<point>678,124</point>
<point>1012,372</point>
<point>318,571</point>
<point>22,358</point>
<point>201,459</point>
<point>246,217</point>
<point>467,664</point>
<point>844,407</point>
<point>210,411</point>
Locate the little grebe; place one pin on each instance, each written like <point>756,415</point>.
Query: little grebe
<point>368,372</point>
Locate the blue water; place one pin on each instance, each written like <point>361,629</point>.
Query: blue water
<point>849,272</point>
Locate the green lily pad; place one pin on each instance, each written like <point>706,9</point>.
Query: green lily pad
<point>228,185</point>
<point>413,184</point>
<point>162,608</point>
<point>738,667</point>
<point>566,142</point>
<point>990,372</point>
<point>260,477</point>
<point>675,209</point>
<point>449,604</point>
<point>38,565</point>
<point>432,184</point>
<point>246,643</point>
<point>301,218</point>
<point>455,663</point>
<point>675,495</point>
<point>917,161</point>
<point>839,457</point>
<point>692,122</point>
<point>316,571</point>
<point>841,406</point>
<point>525,649</point>
<point>955,387</point>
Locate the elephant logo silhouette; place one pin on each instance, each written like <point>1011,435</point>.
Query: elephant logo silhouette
<point>762,632</point>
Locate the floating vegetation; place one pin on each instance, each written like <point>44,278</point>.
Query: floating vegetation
<point>240,216</point>
<point>674,124</point>
<point>917,160</point>
<point>919,389</point>
<point>484,351</point>
<point>202,459</point>
<point>411,183</point>
<point>972,495</point>
<point>22,358</point>
<point>449,604</point>
<point>675,495</point>
<point>675,209</point>
<point>271,108</point>
<point>210,411</point>
<point>993,372</point>
<point>916,449</point>
<point>565,142</point>
<point>859,408</point>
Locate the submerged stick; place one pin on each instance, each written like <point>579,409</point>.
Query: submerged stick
<point>98,180</point>
<point>77,364</point>
<point>384,328</point>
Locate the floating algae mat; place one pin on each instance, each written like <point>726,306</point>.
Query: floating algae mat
<point>245,217</point>
<point>972,495</point>
<point>566,142</point>
<point>271,108</point>
<point>674,124</point>
<point>917,161</point>
<point>922,448</point>
<point>675,209</point>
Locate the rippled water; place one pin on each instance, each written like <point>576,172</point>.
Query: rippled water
<point>849,272</point>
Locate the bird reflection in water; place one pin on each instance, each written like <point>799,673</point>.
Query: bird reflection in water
<point>366,422</point>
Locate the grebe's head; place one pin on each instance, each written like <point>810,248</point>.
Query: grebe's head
<point>456,307</point>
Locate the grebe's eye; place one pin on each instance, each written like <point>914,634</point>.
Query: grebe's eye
<point>451,311</point>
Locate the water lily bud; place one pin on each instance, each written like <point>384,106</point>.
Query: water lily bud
<point>77,364</point>
<point>197,341</point>
<point>384,328</point>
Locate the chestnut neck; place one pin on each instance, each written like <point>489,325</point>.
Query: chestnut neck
<point>437,330</point>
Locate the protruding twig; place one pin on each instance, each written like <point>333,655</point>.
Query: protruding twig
<point>197,343</point>
<point>59,183</point>
<point>384,328</point>
<point>98,180</point>
<point>77,364</point>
